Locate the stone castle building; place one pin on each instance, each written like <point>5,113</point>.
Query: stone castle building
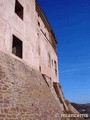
<point>27,37</point>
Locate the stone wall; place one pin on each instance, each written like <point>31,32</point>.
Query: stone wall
<point>24,94</point>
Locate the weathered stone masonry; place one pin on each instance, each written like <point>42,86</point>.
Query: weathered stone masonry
<point>24,95</point>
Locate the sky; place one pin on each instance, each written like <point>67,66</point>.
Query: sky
<point>70,20</point>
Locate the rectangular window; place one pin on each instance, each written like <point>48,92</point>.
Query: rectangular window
<point>38,23</point>
<point>55,67</point>
<point>19,9</point>
<point>17,47</point>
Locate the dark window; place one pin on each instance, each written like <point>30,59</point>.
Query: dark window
<point>55,67</point>
<point>45,34</point>
<point>38,23</point>
<point>19,9</point>
<point>17,47</point>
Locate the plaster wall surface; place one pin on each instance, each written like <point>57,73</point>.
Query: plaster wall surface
<point>28,31</point>
<point>45,48</point>
<point>24,29</point>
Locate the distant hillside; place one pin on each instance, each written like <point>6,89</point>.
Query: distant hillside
<point>82,108</point>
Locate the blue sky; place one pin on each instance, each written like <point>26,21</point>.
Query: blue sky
<point>70,20</point>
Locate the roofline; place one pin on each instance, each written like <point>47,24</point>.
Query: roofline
<point>45,20</point>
